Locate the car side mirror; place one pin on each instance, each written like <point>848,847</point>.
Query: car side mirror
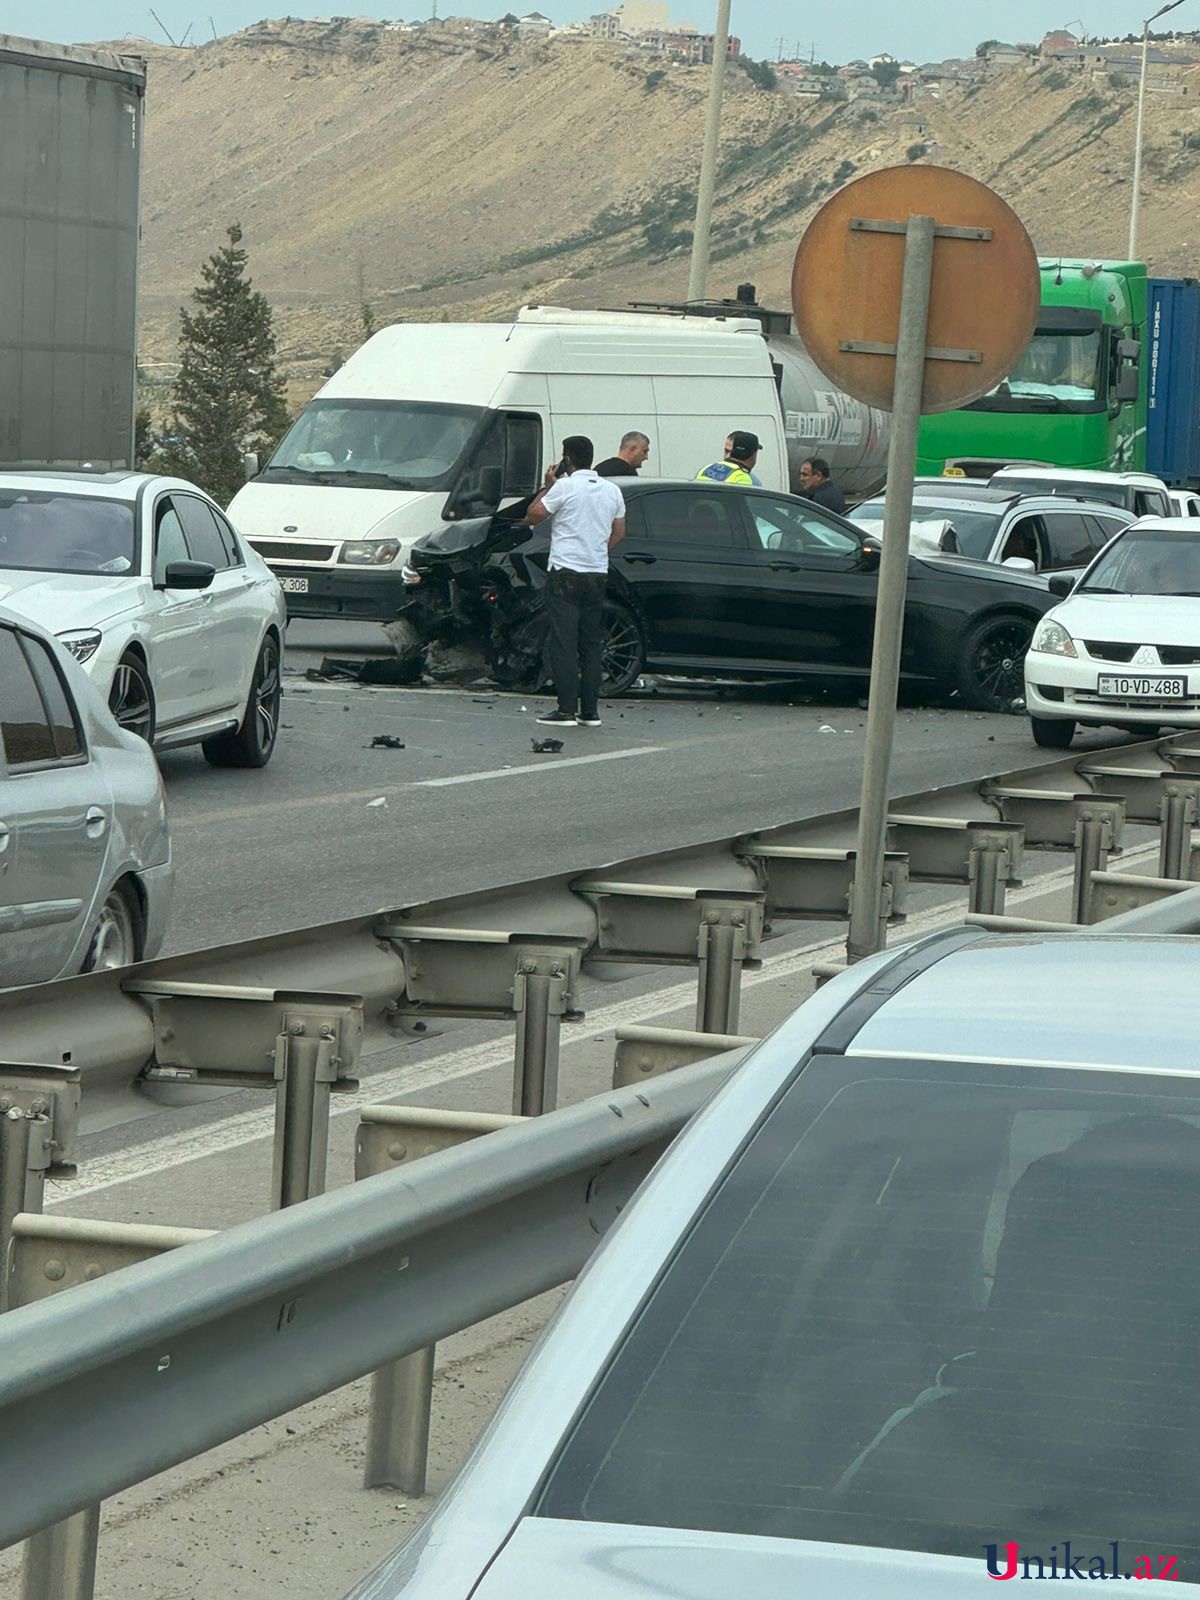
<point>871,552</point>
<point>1019,563</point>
<point>250,467</point>
<point>187,575</point>
<point>1061,585</point>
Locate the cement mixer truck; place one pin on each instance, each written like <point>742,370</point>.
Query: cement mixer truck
<point>435,423</point>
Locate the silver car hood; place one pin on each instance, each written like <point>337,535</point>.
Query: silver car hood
<point>547,1560</point>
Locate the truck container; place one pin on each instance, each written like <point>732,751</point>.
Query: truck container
<point>70,160</point>
<point>1172,363</point>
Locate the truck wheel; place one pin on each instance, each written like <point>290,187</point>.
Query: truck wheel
<point>624,649</point>
<point>252,744</point>
<point>1052,733</point>
<point>991,667</point>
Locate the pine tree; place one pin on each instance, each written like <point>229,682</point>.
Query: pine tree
<point>228,395</point>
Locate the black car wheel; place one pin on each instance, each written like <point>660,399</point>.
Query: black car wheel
<point>624,650</point>
<point>991,668</point>
<point>251,744</point>
<point>1052,733</point>
<point>130,697</point>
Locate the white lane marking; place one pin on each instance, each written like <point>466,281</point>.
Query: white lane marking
<point>160,1155</point>
<point>542,766</point>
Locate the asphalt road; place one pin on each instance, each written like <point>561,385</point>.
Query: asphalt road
<point>333,827</point>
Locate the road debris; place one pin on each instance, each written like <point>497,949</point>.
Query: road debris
<point>386,741</point>
<point>546,747</point>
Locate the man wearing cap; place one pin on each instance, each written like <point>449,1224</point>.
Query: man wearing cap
<point>741,452</point>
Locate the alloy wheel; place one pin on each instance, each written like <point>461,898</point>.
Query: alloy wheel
<point>998,664</point>
<point>266,694</point>
<point>622,658</point>
<point>129,699</point>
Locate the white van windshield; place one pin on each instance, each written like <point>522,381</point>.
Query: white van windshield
<point>398,444</point>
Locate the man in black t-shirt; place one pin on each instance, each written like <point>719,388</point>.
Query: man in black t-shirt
<point>635,447</point>
<point>815,485</point>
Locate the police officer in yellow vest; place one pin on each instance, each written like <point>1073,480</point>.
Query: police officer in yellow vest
<point>741,452</point>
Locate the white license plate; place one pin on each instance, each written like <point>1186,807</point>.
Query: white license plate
<point>294,585</point>
<point>1129,688</point>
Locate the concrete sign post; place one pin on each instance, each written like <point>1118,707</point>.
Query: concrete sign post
<point>915,289</point>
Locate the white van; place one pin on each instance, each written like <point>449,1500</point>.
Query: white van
<point>436,422</point>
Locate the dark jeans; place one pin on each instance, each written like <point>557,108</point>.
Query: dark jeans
<point>575,608</point>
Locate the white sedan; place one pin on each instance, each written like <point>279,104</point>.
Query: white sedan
<point>150,587</point>
<point>1123,649</point>
<point>85,855</point>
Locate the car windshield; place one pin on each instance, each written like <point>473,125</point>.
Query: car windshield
<point>1094,489</point>
<point>1060,371</point>
<point>52,531</point>
<point>974,527</point>
<point>375,443</point>
<point>934,1308</point>
<point>1146,561</point>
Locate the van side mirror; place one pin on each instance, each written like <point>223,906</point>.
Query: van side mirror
<point>481,501</point>
<point>250,466</point>
<point>1061,585</point>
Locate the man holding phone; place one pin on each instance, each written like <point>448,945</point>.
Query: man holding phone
<point>588,518</point>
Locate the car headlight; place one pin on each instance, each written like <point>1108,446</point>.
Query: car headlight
<point>409,575</point>
<point>1052,639</point>
<point>370,552</point>
<point>82,643</point>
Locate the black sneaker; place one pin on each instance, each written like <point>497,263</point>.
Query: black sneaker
<point>589,719</point>
<point>558,719</point>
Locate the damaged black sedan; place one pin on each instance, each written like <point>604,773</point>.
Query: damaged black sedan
<point>713,581</point>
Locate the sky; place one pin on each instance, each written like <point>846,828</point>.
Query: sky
<point>928,30</point>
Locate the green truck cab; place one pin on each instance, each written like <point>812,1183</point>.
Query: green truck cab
<point>1079,395</point>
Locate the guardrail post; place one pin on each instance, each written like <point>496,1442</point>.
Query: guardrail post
<point>1177,819</point>
<point>60,1562</point>
<point>398,1425</point>
<point>990,864</point>
<point>541,998</point>
<point>24,1158</point>
<point>402,1392</point>
<point>48,1255</point>
<point>1093,841</point>
<point>304,1071</point>
<point>722,949</point>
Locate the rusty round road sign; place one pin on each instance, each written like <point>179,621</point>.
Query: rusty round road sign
<point>983,301</point>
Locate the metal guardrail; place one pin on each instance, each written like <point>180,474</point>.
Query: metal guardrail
<point>189,1347</point>
<point>177,1354</point>
<point>517,952</point>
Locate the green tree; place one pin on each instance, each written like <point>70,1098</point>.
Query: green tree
<point>761,73</point>
<point>228,395</point>
<point>885,73</point>
<point>984,48</point>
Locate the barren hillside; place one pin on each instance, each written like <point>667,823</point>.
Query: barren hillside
<point>442,178</point>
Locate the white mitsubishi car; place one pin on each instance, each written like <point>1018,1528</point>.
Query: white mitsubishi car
<point>1123,650</point>
<point>148,585</point>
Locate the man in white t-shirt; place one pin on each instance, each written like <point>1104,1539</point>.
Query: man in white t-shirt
<point>588,515</point>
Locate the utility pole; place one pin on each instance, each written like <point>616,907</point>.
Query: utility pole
<point>698,278</point>
<point>1135,201</point>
